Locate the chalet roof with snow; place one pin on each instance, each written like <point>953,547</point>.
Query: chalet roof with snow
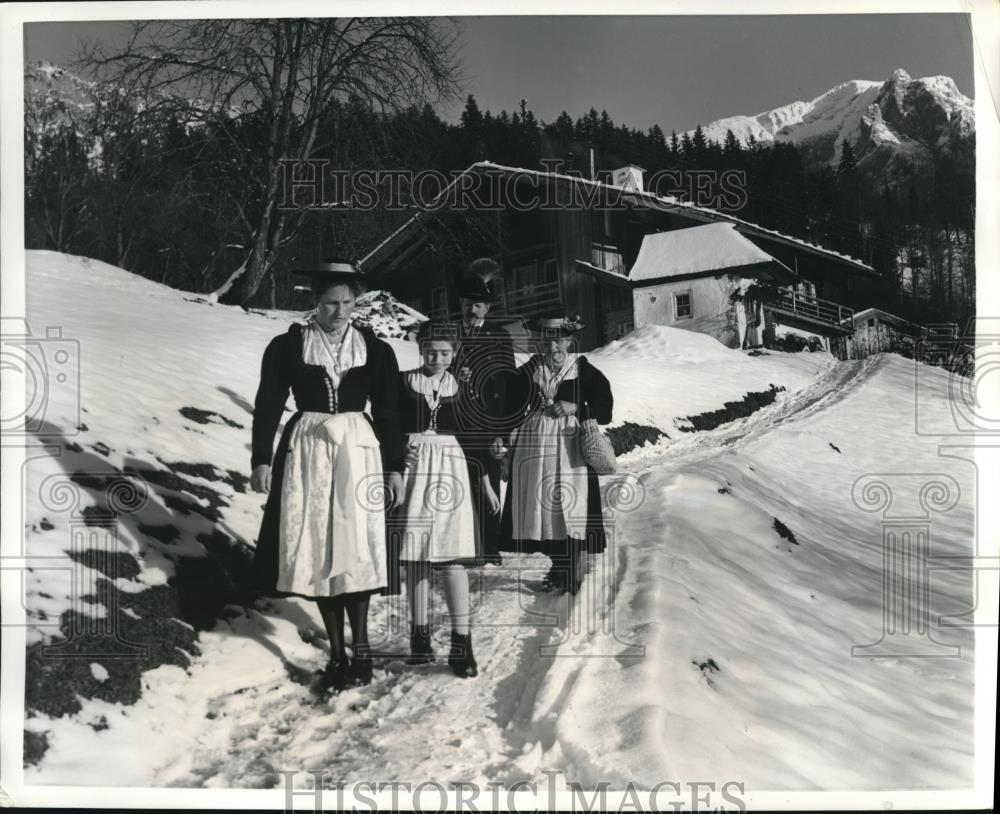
<point>698,249</point>
<point>861,317</point>
<point>408,232</point>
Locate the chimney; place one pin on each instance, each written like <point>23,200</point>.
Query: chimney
<point>628,178</point>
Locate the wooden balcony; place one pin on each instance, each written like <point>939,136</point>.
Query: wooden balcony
<point>533,299</point>
<point>810,311</point>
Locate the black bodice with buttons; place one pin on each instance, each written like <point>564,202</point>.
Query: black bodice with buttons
<point>284,370</point>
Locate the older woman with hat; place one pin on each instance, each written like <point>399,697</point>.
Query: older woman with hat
<point>335,472</point>
<point>553,502</point>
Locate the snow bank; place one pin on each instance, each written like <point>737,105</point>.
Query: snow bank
<point>387,316</point>
<point>748,670</point>
<point>661,375</point>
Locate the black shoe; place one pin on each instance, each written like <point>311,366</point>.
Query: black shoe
<point>555,579</point>
<point>330,680</point>
<point>420,646</point>
<point>462,662</point>
<point>361,672</point>
<point>361,666</point>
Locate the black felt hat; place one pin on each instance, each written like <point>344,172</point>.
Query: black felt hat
<point>334,270</point>
<point>556,326</point>
<point>477,289</point>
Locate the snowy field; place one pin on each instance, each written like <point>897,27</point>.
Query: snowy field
<point>713,641</point>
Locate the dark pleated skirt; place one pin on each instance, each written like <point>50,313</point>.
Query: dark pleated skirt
<point>594,542</point>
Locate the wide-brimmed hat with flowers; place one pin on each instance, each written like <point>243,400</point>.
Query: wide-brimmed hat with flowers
<point>334,270</point>
<point>556,326</point>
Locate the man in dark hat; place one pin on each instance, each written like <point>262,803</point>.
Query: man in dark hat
<point>484,360</point>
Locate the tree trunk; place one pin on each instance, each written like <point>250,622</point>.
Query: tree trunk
<point>263,254</point>
<point>258,265</point>
<point>119,245</point>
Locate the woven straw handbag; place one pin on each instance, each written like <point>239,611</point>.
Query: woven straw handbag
<point>596,448</point>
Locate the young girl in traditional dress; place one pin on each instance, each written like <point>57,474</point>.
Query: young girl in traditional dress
<point>437,523</point>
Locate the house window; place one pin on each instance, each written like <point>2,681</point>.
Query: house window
<point>871,322</point>
<point>607,257</point>
<point>682,304</point>
<point>526,275</point>
<point>550,271</point>
<point>498,288</point>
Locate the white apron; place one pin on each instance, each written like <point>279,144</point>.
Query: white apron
<point>332,525</point>
<point>548,474</point>
<point>440,524</point>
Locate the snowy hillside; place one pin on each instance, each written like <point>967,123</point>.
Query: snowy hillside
<point>903,114</point>
<point>713,641</point>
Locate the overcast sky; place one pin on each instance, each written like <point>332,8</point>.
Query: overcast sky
<point>675,71</point>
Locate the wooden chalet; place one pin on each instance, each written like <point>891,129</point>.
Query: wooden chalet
<point>620,257</point>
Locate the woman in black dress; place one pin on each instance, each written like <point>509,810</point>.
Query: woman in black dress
<point>335,472</point>
<point>553,502</point>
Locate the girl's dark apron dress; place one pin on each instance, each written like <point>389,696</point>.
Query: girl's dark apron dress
<point>553,501</point>
<point>437,522</point>
<point>323,533</point>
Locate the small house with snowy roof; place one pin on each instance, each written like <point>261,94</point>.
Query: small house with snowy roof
<point>619,256</point>
<point>707,278</point>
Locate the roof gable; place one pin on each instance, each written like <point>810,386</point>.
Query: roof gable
<point>712,247</point>
<point>704,215</point>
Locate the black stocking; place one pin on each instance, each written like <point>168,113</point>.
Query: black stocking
<point>331,608</point>
<point>357,615</point>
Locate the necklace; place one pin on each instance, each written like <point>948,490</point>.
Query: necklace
<point>434,384</point>
<point>550,378</point>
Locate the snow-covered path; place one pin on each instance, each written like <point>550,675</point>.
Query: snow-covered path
<point>711,642</point>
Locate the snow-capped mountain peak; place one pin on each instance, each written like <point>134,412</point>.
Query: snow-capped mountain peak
<point>880,119</point>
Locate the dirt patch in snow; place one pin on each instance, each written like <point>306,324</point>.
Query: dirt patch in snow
<point>732,410</point>
<point>58,673</point>
<point>200,416</point>
<point>628,436</point>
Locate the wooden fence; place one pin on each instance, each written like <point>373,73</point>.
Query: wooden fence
<point>867,340</point>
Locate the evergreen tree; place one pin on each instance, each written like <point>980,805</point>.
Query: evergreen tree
<point>731,148</point>
<point>472,143</point>
<point>472,117</point>
<point>699,144</point>
<point>848,162</point>
<point>687,149</point>
<point>849,202</point>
